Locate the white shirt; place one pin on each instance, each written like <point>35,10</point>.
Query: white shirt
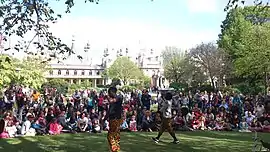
<point>166,108</point>
<point>25,127</point>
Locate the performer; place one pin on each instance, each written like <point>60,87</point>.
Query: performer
<point>115,119</point>
<point>166,110</point>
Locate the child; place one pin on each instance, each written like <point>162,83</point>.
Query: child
<point>96,126</point>
<point>3,133</point>
<point>133,124</point>
<point>55,128</point>
<point>244,126</point>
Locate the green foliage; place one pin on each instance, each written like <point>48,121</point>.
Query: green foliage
<point>179,69</point>
<point>178,86</point>
<point>125,70</point>
<point>146,81</point>
<point>230,90</point>
<point>24,17</point>
<point>28,72</point>
<point>143,83</point>
<point>82,86</point>
<point>246,88</point>
<point>7,69</point>
<point>128,88</point>
<point>60,84</point>
<point>246,38</point>
<point>101,86</point>
<point>254,59</point>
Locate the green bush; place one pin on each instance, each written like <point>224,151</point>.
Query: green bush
<point>178,86</point>
<point>128,88</point>
<point>101,86</point>
<point>230,90</point>
<point>246,88</point>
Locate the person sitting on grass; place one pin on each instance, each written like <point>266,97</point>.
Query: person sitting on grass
<point>243,125</point>
<point>133,124</point>
<point>82,123</point>
<point>26,129</point>
<point>220,121</point>
<point>124,125</point>
<point>235,122</point>
<point>178,122</point>
<point>255,126</point>
<point>10,126</point>
<point>147,122</point>
<point>55,127</point>
<point>209,119</point>
<point>3,132</point>
<point>96,126</point>
<point>266,126</point>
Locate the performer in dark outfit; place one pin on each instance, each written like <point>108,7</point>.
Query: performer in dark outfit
<point>166,110</point>
<point>115,119</point>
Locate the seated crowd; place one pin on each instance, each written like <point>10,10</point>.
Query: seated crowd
<point>86,111</point>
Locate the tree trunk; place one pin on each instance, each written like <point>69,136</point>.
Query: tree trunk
<point>124,82</point>
<point>213,83</point>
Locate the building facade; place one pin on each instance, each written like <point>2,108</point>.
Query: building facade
<point>151,64</point>
<point>77,74</point>
<point>77,71</point>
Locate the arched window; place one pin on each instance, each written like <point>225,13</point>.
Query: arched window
<point>83,72</point>
<point>98,72</point>
<point>51,72</point>
<point>59,72</point>
<point>67,72</point>
<point>75,72</point>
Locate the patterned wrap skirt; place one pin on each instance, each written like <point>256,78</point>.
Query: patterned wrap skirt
<point>166,125</point>
<point>113,136</point>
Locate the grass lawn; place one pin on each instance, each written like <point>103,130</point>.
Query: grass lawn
<point>135,142</point>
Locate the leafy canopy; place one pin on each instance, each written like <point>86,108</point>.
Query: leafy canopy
<point>28,71</point>
<point>124,69</point>
<point>179,69</point>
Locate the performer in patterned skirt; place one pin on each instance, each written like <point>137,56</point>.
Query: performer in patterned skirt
<point>115,119</point>
<point>166,110</point>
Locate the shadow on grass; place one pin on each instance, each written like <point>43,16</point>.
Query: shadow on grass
<point>19,145</point>
<point>228,135</point>
<point>132,142</point>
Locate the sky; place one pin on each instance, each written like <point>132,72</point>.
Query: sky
<point>136,24</point>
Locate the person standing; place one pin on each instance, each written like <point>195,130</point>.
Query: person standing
<point>115,119</point>
<point>166,110</point>
<point>146,99</point>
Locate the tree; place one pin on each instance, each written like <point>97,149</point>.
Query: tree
<point>7,69</point>
<point>60,84</point>
<point>124,69</point>
<point>172,62</point>
<point>255,58</point>
<point>236,27</point>
<point>179,69</point>
<point>245,37</point>
<point>28,72</point>
<point>211,59</point>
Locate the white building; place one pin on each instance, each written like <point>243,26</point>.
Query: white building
<point>77,73</point>
<point>151,64</point>
<point>74,70</point>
